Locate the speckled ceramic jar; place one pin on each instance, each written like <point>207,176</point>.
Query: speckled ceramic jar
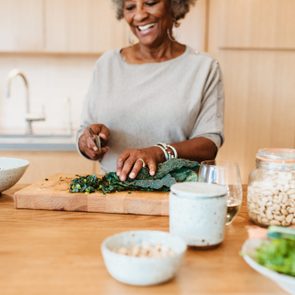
<point>198,213</point>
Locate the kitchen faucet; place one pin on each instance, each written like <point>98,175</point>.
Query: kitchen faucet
<point>29,117</point>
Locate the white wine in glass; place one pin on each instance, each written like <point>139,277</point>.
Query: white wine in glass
<point>228,174</point>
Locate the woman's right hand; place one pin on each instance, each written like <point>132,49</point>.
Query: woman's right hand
<point>87,141</point>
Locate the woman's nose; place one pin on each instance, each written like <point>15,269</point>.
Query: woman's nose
<point>140,14</point>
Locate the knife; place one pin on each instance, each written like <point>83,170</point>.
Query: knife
<point>95,138</point>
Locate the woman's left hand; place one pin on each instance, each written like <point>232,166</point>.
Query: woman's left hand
<point>131,161</point>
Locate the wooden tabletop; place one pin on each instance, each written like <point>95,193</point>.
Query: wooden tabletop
<point>52,252</point>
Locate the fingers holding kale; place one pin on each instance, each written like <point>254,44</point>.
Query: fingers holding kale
<point>131,161</point>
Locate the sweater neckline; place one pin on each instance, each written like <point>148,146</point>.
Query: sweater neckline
<point>172,60</point>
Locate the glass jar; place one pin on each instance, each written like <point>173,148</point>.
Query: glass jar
<point>271,188</point>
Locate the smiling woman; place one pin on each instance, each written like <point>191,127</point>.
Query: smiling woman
<point>152,25</point>
<point>155,100</point>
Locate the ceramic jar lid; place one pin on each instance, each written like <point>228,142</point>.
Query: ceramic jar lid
<point>197,190</point>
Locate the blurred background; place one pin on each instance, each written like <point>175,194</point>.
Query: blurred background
<point>55,43</point>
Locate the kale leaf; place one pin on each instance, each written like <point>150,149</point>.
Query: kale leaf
<point>168,173</point>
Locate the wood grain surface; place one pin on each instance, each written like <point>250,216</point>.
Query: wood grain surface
<point>53,194</point>
<point>58,252</point>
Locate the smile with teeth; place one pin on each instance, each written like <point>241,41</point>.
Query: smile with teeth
<point>145,27</point>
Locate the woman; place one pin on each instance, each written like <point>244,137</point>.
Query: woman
<point>154,100</point>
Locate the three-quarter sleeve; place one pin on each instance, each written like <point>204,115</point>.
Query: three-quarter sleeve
<point>209,121</point>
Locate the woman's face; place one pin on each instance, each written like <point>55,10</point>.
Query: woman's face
<point>149,20</point>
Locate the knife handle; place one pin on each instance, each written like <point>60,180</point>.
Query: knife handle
<point>96,138</point>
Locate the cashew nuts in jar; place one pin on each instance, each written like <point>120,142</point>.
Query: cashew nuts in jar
<point>271,197</point>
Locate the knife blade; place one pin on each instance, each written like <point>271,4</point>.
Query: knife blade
<point>95,138</point>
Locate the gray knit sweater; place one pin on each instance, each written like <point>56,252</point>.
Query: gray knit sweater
<point>143,104</point>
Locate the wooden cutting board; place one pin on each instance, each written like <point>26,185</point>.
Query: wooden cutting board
<point>53,194</point>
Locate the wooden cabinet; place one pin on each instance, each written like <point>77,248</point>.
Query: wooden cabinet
<point>255,45</point>
<point>21,25</point>
<point>79,26</point>
<point>82,26</point>
<point>60,26</point>
<point>265,24</point>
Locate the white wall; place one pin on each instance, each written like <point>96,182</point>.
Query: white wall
<point>53,81</point>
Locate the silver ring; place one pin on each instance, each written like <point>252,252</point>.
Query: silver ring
<point>143,162</point>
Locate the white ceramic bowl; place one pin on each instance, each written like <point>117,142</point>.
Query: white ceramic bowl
<point>11,170</point>
<point>287,283</point>
<point>142,271</point>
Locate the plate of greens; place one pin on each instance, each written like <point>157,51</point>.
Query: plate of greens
<point>274,256</point>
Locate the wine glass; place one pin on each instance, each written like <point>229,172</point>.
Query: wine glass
<point>228,174</point>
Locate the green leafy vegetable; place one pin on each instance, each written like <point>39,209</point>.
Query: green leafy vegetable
<point>168,173</point>
<point>174,165</point>
<point>278,253</point>
<point>84,184</point>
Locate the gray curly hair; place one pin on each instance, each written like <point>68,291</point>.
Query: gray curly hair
<point>179,8</point>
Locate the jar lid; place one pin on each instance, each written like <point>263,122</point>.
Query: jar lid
<point>199,190</point>
<point>278,155</point>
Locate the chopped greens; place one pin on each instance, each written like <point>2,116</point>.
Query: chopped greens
<point>278,253</point>
<point>168,173</point>
<point>84,184</point>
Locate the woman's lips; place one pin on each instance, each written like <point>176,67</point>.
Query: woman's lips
<point>145,29</point>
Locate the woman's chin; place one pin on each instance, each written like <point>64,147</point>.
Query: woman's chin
<point>150,42</point>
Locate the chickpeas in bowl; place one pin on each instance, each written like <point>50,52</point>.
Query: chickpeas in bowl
<point>143,257</point>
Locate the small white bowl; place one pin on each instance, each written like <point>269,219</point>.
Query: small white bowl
<point>142,271</point>
<point>11,170</point>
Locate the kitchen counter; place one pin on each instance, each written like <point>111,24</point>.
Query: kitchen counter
<point>37,143</point>
<point>53,252</point>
